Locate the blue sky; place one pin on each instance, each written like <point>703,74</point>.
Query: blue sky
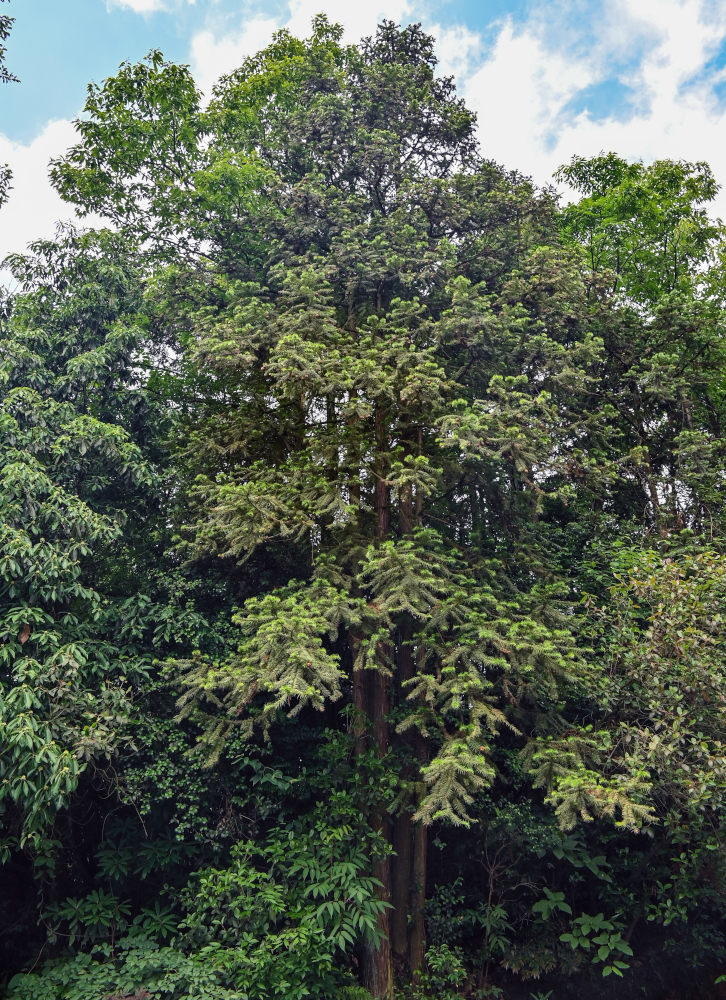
<point>646,78</point>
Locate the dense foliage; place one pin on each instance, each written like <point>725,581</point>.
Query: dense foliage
<point>361,578</point>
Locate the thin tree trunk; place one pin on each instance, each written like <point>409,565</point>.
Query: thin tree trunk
<point>417,938</point>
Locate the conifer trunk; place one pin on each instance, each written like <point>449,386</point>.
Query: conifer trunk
<point>360,697</point>
<point>417,933</point>
<point>401,886</point>
<point>417,938</point>
<point>377,965</point>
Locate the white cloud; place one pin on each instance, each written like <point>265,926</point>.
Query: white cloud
<point>212,56</point>
<point>522,91</point>
<point>358,19</point>
<point>33,208</point>
<point>519,92</point>
<point>218,50</point>
<point>457,48</point>
<point>146,6</point>
<point>138,6</point>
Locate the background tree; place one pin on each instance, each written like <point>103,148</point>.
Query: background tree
<point>6,23</point>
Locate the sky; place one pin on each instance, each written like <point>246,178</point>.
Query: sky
<point>548,79</point>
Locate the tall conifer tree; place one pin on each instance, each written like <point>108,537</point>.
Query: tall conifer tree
<point>377,393</point>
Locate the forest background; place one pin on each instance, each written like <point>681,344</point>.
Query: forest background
<point>362,591</point>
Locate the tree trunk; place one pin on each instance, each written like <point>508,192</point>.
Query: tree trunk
<point>417,941</point>
<point>401,885</point>
<point>377,968</point>
<point>360,697</point>
<point>377,963</point>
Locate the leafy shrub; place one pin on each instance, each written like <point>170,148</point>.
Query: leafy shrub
<point>277,922</point>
